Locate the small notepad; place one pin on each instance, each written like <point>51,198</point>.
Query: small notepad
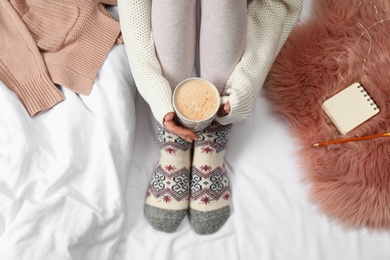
<point>350,108</point>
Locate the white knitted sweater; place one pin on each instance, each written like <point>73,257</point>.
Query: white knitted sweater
<point>269,24</point>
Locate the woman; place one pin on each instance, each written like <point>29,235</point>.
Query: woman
<point>238,43</point>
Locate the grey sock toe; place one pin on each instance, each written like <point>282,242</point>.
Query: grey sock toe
<point>208,222</point>
<point>165,220</point>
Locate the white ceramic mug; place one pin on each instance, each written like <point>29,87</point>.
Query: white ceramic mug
<point>198,125</point>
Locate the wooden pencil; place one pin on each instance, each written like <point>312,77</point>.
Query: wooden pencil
<point>353,139</point>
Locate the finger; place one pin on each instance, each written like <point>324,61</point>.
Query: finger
<point>227,107</point>
<point>221,112</point>
<point>169,116</point>
<point>184,133</point>
<point>187,134</point>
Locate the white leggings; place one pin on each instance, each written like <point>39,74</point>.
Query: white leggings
<point>222,37</point>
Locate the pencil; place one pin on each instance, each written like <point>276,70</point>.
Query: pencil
<point>351,139</point>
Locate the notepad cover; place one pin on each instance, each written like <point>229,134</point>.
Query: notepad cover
<point>350,108</point>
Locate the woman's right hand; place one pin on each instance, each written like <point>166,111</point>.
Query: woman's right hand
<point>171,125</point>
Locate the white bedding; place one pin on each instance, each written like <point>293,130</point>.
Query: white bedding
<point>73,183</point>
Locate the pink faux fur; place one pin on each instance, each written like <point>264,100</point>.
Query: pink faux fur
<point>344,41</point>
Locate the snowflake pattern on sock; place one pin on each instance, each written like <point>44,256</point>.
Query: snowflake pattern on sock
<point>213,138</point>
<point>174,185</point>
<point>213,183</point>
<point>170,181</point>
<point>209,183</point>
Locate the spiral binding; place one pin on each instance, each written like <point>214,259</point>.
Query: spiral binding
<point>369,98</point>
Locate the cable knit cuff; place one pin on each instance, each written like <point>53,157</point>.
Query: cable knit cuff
<point>38,94</point>
<point>241,101</point>
<point>160,100</point>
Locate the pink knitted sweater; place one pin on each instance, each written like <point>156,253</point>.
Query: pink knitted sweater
<point>47,42</point>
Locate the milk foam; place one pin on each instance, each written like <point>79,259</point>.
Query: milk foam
<point>196,100</point>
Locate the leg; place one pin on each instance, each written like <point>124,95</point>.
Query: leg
<point>174,32</point>
<point>168,194</point>
<point>222,38</point>
<point>210,194</point>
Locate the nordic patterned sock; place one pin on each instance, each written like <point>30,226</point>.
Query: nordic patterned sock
<point>168,194</point>
<point>210,194</point>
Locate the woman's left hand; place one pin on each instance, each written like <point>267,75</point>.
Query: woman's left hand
<point>224,109</point>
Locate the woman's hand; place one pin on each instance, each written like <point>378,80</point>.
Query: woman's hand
<point>184,133</point>
<point>224,109</point>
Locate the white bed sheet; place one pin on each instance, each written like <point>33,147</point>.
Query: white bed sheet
<point>62,173</point>
<point>73,183</point>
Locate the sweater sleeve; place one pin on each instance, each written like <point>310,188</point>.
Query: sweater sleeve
<point>269,24</point>
<point>22,68</point>
<point>135,20</point>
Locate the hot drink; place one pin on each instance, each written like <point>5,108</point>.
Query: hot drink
<point>196,100</point>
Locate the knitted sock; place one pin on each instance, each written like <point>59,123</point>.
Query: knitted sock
<point>168,194</point>
<point>210,194</point>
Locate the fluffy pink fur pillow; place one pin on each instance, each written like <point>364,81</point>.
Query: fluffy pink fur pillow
<point>344,41</point>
